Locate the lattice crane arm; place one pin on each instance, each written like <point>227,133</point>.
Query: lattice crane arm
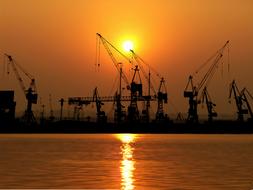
<point>209,74</point>
<point>32,88</point>
<point>20,80</point>
<point>106,44</point>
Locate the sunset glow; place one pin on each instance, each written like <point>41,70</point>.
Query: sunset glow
<point>79,77</point>
<point>61,34</point>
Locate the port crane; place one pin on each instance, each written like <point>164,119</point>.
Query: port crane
<point>30,93</point>
<point>161,95</point>
<point>191,91</point>
<point>241,100</point>
<point>119,112</point>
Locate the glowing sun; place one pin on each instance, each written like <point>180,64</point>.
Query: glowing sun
<point>128,45</point>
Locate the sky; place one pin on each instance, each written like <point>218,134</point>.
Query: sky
<point>55,41</point>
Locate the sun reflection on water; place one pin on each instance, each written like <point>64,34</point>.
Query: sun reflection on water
<point>127,163</point>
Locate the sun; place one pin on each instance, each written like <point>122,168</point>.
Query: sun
<point>128,45</point>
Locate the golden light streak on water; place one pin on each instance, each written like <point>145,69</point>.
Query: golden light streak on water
<point>127,163</point>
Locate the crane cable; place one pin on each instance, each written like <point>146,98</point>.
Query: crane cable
<point>220,51</point>
<point>149,66</point>
<point>97,59</point>
<point>217,56</point>
<point>250,95</point>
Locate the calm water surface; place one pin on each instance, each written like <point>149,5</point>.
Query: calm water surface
<point>127,161</point>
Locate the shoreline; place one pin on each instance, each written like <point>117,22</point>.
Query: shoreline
<point>82,127</point>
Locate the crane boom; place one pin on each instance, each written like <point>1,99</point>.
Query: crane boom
<point>209,74</point>
<point>21,82</point>
<point>107,46</point>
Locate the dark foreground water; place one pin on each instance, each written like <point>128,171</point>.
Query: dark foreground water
<point>127,161</point>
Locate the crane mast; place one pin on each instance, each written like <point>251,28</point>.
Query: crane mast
<point>209,104</point>
<point>162,97</point>
<point>30,93</point>
<point>120,113</point>
<point>136,91</point>
<point>101,117</point>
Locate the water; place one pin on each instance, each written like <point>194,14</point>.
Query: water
<point>127,161</point>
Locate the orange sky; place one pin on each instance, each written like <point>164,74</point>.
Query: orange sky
<point>55,41</point>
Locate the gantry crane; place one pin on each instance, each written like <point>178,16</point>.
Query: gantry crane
<point>80,101</point>
<point>240,100</point>
<point>30,93</point>
<point>191,91</point>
